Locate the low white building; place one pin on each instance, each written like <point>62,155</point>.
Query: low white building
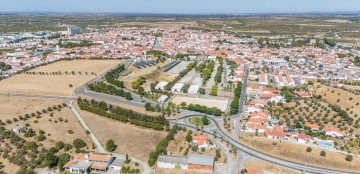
<point>162,99</point>
<point>211,58</point>
<point>19,128</point>
<point>172,162</point>
<point>177,87</point>
<point>193,89</point>
<point>161,85</point>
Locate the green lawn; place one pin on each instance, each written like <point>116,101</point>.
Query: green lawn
<point>197,121</point>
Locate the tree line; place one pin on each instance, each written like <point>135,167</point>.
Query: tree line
<point>234,106</point>
<point>113,75</point>
<point>80,44</point>
<point>122,114</point>
<point>109,89</point>
<point>220,70</point>
<point>203,109</point>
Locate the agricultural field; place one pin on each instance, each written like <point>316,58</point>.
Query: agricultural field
<point>346,100</point>
<point>57,126</point>
<point>12,107</point>
<point>295,152</point>
<point>218,103</point>
<point>134,140</point>
<point>79,73</point>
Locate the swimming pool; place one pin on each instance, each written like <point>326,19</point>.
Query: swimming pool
<point>325,143</point>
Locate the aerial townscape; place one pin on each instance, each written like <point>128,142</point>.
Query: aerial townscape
<point>168,93</point>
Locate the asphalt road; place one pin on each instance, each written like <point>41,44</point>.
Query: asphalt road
<point>237,124</point>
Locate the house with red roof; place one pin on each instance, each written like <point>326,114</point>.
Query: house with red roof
<point>303,139</point>
<point>313,127</point>
<point>276,133</point>
<point>253,127</point>
<point>334,132</point>
<point>200,140</point>
<point>302,94</point>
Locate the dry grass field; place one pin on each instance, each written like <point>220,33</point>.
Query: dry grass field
<point>266,166</point>
<point>11,107</point>
<point>178,146</point>
<point>135,141</point>
<point>298,153</point>
<point>55,129</point>
<point>57,84</point>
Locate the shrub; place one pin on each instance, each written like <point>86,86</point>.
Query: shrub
<point>70,131</point>
<point>323,153</point>
<point>349,158</point>
<point>308,149</point>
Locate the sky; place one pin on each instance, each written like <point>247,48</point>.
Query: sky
<point>179,6</point>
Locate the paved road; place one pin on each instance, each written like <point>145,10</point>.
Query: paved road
<point>86,127</point>
<point>237,124</point>
<point>256,153</point>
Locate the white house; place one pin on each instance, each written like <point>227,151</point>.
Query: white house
<point>172,162</point>
<point>161,85</point>
<point>19,128</point>
<point>162,99</point>
<point>303,139</point>
<point>193,89</point>
<point>177,87</point>
<point>334,132</point>
<point>252,108</point>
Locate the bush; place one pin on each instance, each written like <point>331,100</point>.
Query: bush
<point>349,158</point>
<point>308,149</point>
<point>79,143</point>
<point>110,145</point>
<point>41,138</point>
<point>323,153</point>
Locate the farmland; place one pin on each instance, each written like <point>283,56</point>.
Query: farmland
<point>70,74</point>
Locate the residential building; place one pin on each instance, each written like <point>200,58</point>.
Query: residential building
<point>200,140</point>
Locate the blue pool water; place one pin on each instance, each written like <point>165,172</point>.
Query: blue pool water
<point>326,144</point>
